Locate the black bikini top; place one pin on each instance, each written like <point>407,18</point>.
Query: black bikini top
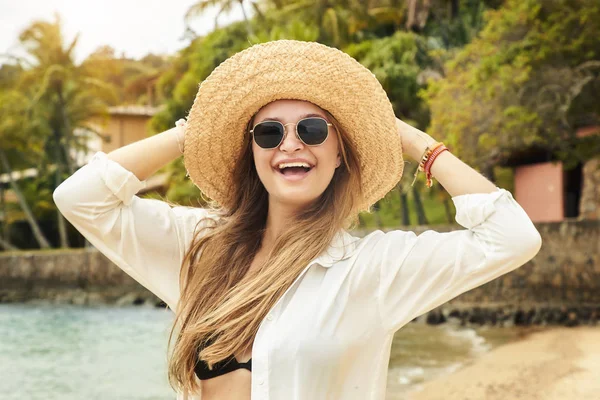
<point>220,368</point>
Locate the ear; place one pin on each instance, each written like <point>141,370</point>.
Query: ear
<point>339,161</point>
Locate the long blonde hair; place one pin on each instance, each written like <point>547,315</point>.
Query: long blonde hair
<point>219,303</point>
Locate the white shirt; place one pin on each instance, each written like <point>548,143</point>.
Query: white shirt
<point>329,336</point>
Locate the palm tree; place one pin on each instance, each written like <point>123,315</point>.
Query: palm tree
<point>225,6</point>
<point>19,139</point>
<point>341,21</point>
<point>64,96</point>
<point>338,20</point>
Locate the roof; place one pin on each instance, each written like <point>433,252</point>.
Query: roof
<point>147,111</point>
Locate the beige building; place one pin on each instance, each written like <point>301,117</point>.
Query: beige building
<point>125,125</point>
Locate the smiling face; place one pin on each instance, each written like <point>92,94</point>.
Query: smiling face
<point>290,188</point>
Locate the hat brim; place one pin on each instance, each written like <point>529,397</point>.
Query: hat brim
<point>289,69</point>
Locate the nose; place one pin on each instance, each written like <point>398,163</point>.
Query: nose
<point>290,142</point>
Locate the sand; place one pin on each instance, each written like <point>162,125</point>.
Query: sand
<point>555,364</point>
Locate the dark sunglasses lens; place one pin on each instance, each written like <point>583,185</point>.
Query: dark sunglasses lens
<point>268,134</point>
<point>312,131</point>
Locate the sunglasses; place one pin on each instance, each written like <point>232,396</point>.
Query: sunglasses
<point>312,131</point>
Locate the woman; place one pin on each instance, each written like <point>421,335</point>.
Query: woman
<point>274,299</point>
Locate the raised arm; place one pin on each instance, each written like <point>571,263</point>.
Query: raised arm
<point>419,273</point>
<point>146,238</point>
<point>144,157</point>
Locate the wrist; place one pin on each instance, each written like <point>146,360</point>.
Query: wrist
<point>414,141</point>
<point>180,134</point>
<point>421,141</point>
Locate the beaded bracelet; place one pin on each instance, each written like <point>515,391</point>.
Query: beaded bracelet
<point>427,169</point>
<point>429,155</point>
<point>180,123</point>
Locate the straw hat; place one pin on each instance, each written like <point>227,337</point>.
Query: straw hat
<point>290,69</point>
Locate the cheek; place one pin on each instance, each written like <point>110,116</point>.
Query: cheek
<point>261,162</point>
<point>327,155</point>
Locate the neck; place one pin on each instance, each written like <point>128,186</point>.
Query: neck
<point>277,217</point>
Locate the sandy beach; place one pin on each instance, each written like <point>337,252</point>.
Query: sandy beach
<point>555,364</point>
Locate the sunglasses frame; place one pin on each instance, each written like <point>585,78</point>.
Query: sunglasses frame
<point>296,130</point>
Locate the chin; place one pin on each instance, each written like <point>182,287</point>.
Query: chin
<point>296,199</point>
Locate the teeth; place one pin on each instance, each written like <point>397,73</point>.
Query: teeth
<point>294,164</point>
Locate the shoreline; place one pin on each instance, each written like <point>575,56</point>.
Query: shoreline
<point>550,363</point>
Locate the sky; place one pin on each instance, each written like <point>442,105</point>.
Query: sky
<point>132,27</point>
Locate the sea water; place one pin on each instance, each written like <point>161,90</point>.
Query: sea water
<point>66,352</point>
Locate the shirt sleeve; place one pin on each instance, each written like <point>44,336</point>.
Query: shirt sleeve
<point>146,238</point>
<point>418,273</point>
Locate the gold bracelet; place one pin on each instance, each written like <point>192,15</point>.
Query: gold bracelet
<point>426,154</point>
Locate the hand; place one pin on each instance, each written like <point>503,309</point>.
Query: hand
<point>414,141</point>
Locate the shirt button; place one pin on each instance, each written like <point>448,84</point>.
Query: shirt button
<point>260,382</point>
<point>269,317</point>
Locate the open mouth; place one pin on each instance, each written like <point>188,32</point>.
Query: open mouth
<point>294,173</point>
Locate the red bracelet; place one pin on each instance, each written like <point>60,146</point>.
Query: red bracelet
<point>425,158</point>
<point>438,150</point>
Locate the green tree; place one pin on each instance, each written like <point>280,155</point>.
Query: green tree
<point>64,97</point>
<point>451,22</point>
<point>134,81</point>
<point>21,140</point>
<point>178,85</point>
<point>369,31</point>
<point>397,61</point>
<point>527,80</point>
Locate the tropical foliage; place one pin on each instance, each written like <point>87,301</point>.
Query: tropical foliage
<point>488,77</point>
<point>530,78</point>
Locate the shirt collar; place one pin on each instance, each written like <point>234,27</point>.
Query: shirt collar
<point>342,246</point>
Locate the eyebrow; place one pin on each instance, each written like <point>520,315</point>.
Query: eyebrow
<point>302,116</point>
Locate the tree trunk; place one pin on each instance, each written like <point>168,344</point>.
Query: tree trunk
<point>449,216</point>
<point>411,11</point>
<point>35,228</point>
<point>421,218</point>
<point>259,14</point>
<point>5,232</point>
<point>488,172</point>
<point>376,215</point>
<point>62,224</point>
<point>5,239</point>
<point>60,160</point>
<point>404,207</point>
<point>7,245</point>
<point>417,14</point>
<point>68,133</point>
<point>589,206</point>
<point>248,24</point>
<point>454,7</point>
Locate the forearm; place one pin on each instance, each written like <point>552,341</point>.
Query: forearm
<point>453,174</point>
<point>457,177</point>
<point>144,157</point>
